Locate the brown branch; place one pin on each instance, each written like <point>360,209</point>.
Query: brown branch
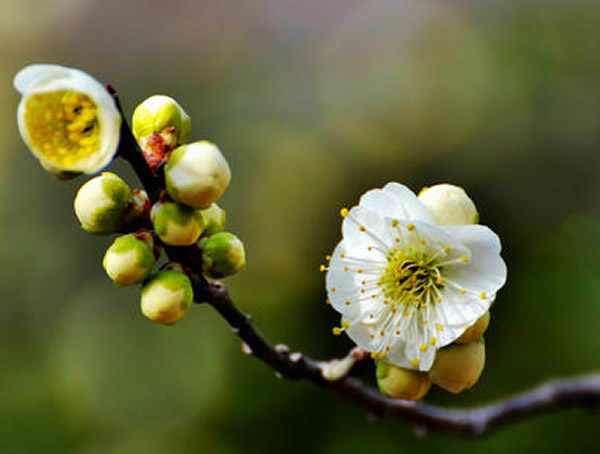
<point>335,375</point>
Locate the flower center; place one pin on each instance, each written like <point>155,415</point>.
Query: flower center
<point>411,277</point>
<point>63,125</point>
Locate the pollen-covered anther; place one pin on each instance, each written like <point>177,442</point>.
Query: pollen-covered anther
<point>415,362</point>
<point>362,228</point>
<point>410,227</point>
<point>465,259</point>
<point>483,295</point>
<point>395,223</point>
<point>322,268</point>
<point>344,212</point>
<point>423,348</point>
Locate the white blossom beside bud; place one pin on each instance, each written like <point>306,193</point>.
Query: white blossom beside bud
<point>101,203</point>
<point>162,115</point>
<point>401,383</point>
<point>197,174</point>
<point>67,119</point>
<point>449,205</point>
<point>222,255</point>
<point>458,366</point>
<point>130,259</point>
<point>166,297</point>
<point>176,224</point>
<point>215,219</point>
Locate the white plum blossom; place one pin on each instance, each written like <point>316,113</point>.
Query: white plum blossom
<point>404,286</point>
<point>67,119</point>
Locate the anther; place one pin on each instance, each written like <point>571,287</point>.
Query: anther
<point>344,212</point>
<point>362,228</point>
<point>465,259</point>
<point>395,223</point>
<point>336,331</point>
<point>423,348</point>
<point>483,295</point>
<point>410,227</point>
<point>415,362</point>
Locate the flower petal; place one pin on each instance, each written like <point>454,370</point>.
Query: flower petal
<point>486,271</point>
<point>396,201</point>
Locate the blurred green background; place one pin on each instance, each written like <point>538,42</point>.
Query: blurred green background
<point>313,103</point>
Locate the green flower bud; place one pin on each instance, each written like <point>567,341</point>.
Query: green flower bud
<point>176,224</point>
<point>161,115</point>
<point>215,219</point>
<point>197,174</point>
<point>101,203</point>
<point>458,366</point>
<point>476,330</point>
<point>449,205</point>
<point>166,297</point>
<point>401,383</point>
<point>130,259</point>
<point>222,255</point>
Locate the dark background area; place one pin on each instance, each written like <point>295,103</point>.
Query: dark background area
<point>313,103</point>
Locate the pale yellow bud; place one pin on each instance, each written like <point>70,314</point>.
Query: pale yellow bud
<point>476,330</point>
<point>449,205</point>
<point>458,366</point>
<point>197,174</point>
<point>401,383</point>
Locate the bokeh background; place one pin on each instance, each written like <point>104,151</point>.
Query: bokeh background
<point>313,103</point>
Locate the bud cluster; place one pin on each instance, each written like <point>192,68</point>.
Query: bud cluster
<point>459,365</point>
<point>185,214</point>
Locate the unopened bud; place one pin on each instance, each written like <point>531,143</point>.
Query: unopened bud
<point>458,366</point>
<point>476,330</point>
<point>197,174</point>
<point>176,224</point>
<point>449,205</point>
<point>101,203</point>
<point>130,259</point>
<point>401,383</point>
<point>215,219</point>
<point>164,116</point>
<point>166,297</point>
<point>222,255</point>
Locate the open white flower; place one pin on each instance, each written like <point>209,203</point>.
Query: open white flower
<point>405,286</point>
<point>67,119</point>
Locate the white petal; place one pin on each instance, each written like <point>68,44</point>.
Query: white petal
<point>486,271</point>
<point>405,203</point>
<point>363,227</point>
<point>33,74</point>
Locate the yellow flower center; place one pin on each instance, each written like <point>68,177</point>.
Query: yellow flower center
<point>63,125</point>
<point>411,277</point>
